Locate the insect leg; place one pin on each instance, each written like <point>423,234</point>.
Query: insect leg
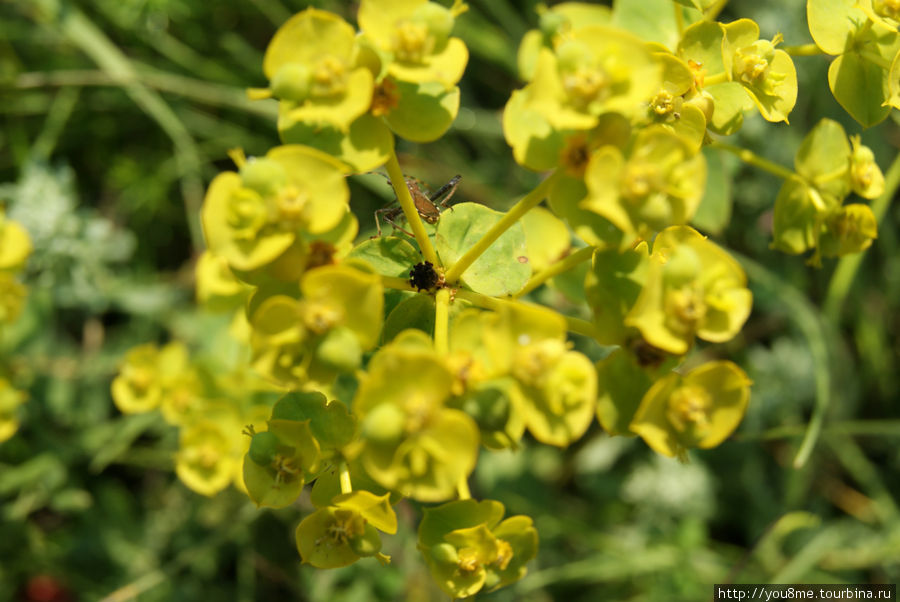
<point>449,188</point>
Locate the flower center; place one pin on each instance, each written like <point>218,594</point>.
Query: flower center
<point>685,308</point>
<point>688,409</point>
<point>246,215</point>
<point>329,77</point>
<point>290,203</point>
<point>586,85</point>
<point>412,42</point>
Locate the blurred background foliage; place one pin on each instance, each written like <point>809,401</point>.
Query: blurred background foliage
<point>116,113</point>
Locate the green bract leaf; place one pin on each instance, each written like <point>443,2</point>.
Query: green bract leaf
<point>424,111</point>
<point>731,100</point>
<point>833,23</point>
<point>850,230</point>
<point>365,146</point>
<point>546,237</point>
<point>389,255</point>
<point>612,288</point>
<point>323,537</point>
<point>824,159</point>
<point>416,312</point>
<point>860,87</point>
<point>503,269</point>
<point>565,199</point>
<point>376,509</point>
<point>535,143</point>
<point>622,383</point>
<point>714,212</point>
<point>651,20</point>
<point>330,422</point>
<point>795,224</point>
<point>702,44</point>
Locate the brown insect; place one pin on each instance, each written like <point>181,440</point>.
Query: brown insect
<point>428,206</point>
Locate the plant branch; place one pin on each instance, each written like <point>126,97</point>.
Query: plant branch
<point>398,182</point>
<point>751,158</point>
<point>511,217</point>
<point>555,269</point>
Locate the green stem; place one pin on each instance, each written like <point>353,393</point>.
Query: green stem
<point>848,265</point>
<point>713,11</point>
<point>813,330</point>
<point>398,182</point>
<point>576,325</point>
<point>803,50</point>
<point>462,489</point>
<point>679,18</point>
<point>563,265</point>
<point>753,159</point>
<point>344,473</point>
<point>511,217</point>
<point>718,78</point>
<point>856,428</point>
<point>216,95</point>
<point>441,320</point>
<point>93,42</point>
<point>400,284</point>
<point>876,59</point>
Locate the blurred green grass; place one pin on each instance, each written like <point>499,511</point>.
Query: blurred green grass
<point>115,114</point>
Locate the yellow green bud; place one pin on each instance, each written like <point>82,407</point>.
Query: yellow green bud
<point>291,82</point>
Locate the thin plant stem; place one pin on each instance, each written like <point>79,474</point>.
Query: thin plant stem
<point>803,50</point>
<point>576,325</point>
<point>855,428</point>
<point>398,182</point>
<point>91,40</point>
<point>344,473</point>
<point>396,283</point>
<point>844,274</point>
<point>751,158</point>
<point>441,320</point>
<point>555,269</point>
<point>813,329</point>
<point>512,216</point>
<point>462,489</point>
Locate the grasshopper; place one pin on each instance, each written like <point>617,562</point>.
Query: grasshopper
<point>428,207</point>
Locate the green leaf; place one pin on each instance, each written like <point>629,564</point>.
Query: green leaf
<point>415,312</point>
<point>389,255</point>
<point>794,227</point>
<point>833,22</point>
<point>612,287</point>
<point>651,20</point>
<point>858,85</point>
<point>441,520</point>
<point>331,424</point>
<point>824,158</point>
<point>424,111</point>
<point>503,268</point>
<point>622,384</point>
<point>565,197</point>
<point>731,100</point>
<point>535,143</point>
<point>366,145</point>
<point>714,212</point>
